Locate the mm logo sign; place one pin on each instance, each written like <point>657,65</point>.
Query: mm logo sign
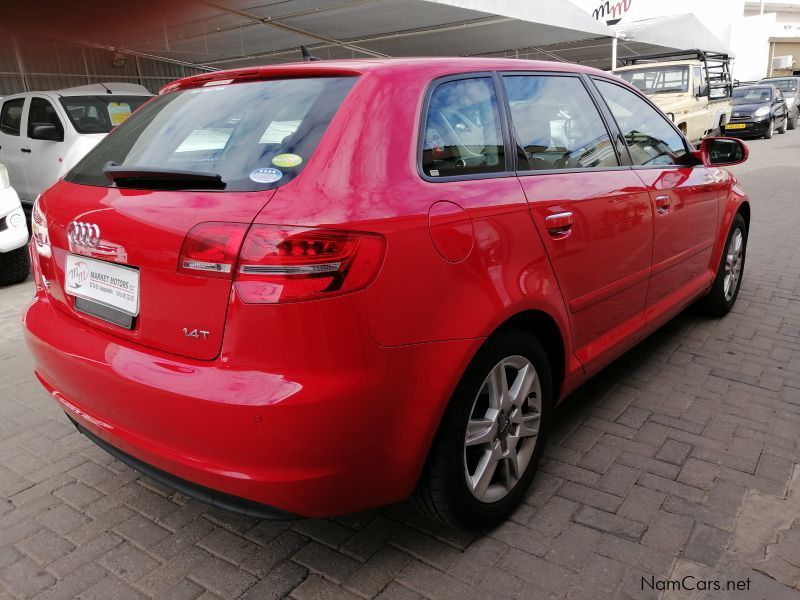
<point>611,12</point>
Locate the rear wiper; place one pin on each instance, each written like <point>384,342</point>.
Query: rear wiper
<point>161,179</point>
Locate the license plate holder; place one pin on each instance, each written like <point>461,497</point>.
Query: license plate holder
<point>735,126</point>
<point>99,282</point>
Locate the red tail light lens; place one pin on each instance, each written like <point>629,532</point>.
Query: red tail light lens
<point>286,264</point>
<point>211,249</point>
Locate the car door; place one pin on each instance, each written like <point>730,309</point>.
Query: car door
<point>45,151</point>
<point>701,117</point>
<point>593,214</point>
<point>779,108</point>
<point>684,195</point>
<point>11,154</point>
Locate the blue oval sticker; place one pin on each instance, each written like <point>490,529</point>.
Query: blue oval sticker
<point>266,175</point>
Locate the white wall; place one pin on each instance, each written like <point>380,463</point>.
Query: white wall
<point>750,46</point>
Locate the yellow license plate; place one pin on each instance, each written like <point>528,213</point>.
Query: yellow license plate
<point>735,126</point>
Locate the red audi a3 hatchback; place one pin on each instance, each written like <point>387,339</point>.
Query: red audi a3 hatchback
<point>316,288</point>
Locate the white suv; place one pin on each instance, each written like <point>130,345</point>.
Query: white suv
<point>44,134</point>
<point>14,258</point>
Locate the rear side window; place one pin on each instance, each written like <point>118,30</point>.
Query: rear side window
<point>11,116</point>
<point>650,138</point>
<point>463,134</point>
<point>256,135</point>
<point>556,124</point>
<point>42,112</point>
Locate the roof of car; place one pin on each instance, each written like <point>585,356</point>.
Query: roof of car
<point>95,89</point>
<point>428,67</point>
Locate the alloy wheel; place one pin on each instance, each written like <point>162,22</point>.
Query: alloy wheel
<point>503,428</point>
<point>733,264</point>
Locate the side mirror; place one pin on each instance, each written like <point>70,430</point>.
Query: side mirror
<point>721,151</point>
<point>702,90</point>
<point>47,131</point>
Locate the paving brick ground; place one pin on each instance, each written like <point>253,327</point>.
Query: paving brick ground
<point>681,460</point>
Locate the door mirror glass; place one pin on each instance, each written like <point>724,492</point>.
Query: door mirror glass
<point>718,152</point>
<point>46,131</point>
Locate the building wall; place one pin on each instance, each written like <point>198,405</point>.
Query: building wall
<point>52,66</point>
<point>750,46</point>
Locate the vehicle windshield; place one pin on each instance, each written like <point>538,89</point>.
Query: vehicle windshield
<point>255,135</point>
<point>658,80</point>
<point>100,114</point>
<point>784,85</point>
<point>752,95</point>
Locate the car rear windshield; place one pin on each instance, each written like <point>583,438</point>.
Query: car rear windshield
<point>752,95</point>
<point>255,135</point>
<point>99,114</point>
<point>658,80</point>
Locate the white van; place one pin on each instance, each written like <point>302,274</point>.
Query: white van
<point>43,134</point>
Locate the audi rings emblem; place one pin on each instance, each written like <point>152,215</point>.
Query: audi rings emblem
<point>84,234</point>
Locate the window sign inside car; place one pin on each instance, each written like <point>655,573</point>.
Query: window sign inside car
<point>118,112</point>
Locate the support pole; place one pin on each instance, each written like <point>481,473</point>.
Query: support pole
<point>614,52</point>
<point>20,66</point>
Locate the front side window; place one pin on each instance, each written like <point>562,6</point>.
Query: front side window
<point>100,114</point>
<point>650,138</point>
<point>463,135</point>
<point>658,80</point>
<point>42,112</point>
<point>556,124</point>
<point>11,116</point>
<point>255,135</point>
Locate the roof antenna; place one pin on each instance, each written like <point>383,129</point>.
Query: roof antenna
<point>307,56</point>
<point>108,90</point>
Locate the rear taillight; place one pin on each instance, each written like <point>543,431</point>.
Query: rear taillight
<point>41,235</point>
<point>288,264</point>
<point>211,249</point>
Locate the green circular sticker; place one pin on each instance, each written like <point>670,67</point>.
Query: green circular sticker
<point>286,160</point>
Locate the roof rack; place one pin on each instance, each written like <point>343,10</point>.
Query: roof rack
<point>694,53</point>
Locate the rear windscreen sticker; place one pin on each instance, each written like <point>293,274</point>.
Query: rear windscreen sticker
<point>287,160</point>
<point>118,112</point>
<point>266,175</point>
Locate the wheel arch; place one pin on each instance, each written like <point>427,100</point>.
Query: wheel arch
<point>744,210</point>
<point>547,330</point>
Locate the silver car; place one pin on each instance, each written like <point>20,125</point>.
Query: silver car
<point>790,88</point>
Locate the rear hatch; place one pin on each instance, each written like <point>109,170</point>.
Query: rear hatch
<point>144,233</point>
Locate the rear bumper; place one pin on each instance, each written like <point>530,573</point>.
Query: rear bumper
<point>347,431</point>
<point>193,490</point>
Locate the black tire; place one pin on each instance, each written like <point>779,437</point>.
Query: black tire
<point>716,303</point>
<point>770,131</point>
<point>15,266</point>
<point>792,123</point>
<point>782,128</point>
<point>442,492</point>
<point>720,128</point>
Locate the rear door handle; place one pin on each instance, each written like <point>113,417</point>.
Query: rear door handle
<point>27,150</point>
<point>559,223</point>
<point>662,204</point>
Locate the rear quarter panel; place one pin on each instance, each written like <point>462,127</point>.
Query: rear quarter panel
<point>364,176</point>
